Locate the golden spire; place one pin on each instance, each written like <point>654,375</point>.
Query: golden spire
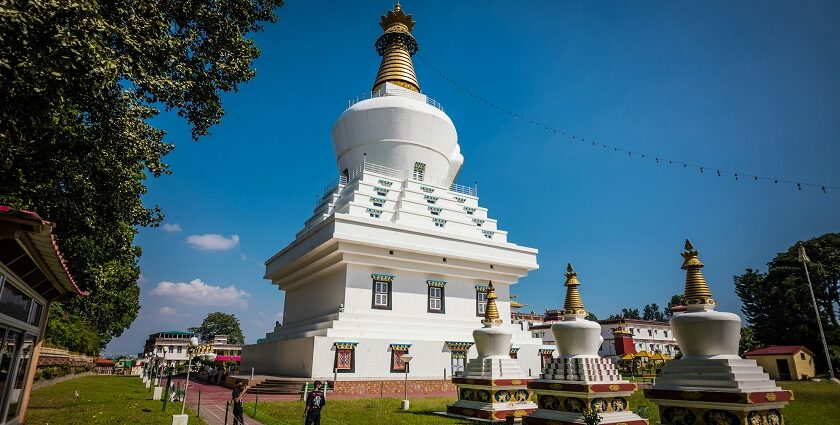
<point>491,312</point>
<point>396,45</point>
<point>573,304</point>
<point>696,290</point>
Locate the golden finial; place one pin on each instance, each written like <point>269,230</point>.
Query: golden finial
<point>491,312</point>
<point>396,45</point>
<point>573,304</point>
<point>696,290</point>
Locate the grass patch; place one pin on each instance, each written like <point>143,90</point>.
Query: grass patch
<point>102,400</point>
<point>815,403</point>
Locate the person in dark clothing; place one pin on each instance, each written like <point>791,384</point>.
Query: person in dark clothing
<point>238,410</point>
<point>315,401</point>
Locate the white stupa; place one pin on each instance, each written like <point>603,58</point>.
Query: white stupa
<point>711,383</point>
<point>493,387</point>
<point>395,258</point>
<point>579,380</point>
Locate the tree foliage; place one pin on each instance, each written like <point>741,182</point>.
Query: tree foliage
<point>591,316</point>
<point>777,304</point>
<point>676,299</point>
<point>652,312</point>
<point>219,323</point>
<point>80,80</point>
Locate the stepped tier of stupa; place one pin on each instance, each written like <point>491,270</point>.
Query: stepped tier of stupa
<point>493,386</point>
<point>580,381</point>
<point>711,383</point>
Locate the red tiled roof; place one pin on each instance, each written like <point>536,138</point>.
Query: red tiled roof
<point>60,266</point>
<point>778,350</point>
<point>104,362</point>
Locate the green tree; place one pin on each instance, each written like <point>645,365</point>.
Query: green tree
<point>652,312</point>
<point>219,323</point>
<point>748,341</point>
<point>80,79</point>
<point>676,299</point>
<point>777,304</point>
<point>591,316</point>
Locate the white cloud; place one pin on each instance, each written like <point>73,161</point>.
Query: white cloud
<point>213,242</point>
<point>171,227</point>
<point>167,311</point>
<point>200,293</point>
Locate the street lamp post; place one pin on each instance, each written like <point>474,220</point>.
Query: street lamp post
<point>190,350</point>
<point>803,257</point>
<point>405,359</point>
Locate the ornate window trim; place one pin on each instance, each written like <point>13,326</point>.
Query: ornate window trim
<point>460,199</point>
<point>348,348</point>
<point>459,345</point>
<point>438,285</point>
<point>385,182</point>
<point>398,349</point>
<point>514,352</point>
<point>389,281</point>
<point>427,189</point>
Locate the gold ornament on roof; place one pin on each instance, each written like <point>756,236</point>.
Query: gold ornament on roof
<point>573,304</point>
<point>491,312</point>
<point>696,289</point>
<point>396,45</point>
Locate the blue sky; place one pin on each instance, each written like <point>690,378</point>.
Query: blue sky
<point>751,86</point>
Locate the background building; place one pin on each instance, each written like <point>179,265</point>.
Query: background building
<point>647,335</point>
<point>176,342</point>
<point>785,362</point>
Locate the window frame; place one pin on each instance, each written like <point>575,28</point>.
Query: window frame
<point>406,367</point>
<point>388,294</point>
<point>479,302</point>
<point>352,353</point>
<point>442,298</point>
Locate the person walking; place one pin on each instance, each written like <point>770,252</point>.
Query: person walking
<point>315,401</point>
<point>238,410</point>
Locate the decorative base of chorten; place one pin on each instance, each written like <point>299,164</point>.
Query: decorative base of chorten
<point>570,386</point>
<point>722,391</point>
<point>492,399</point>
<point>584,369</point>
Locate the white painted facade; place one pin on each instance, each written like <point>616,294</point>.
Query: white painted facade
<point>176,343</point>
<point>385,219</point>
<point>647,335</point>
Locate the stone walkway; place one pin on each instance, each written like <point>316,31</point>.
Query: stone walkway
<point>214,397</point>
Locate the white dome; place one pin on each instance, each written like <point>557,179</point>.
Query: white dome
<point>398,131</point>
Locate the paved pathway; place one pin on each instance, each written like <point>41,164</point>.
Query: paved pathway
<point>214,397</point>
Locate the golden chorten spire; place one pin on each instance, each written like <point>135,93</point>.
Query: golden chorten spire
<point>396,45</point>
<point>491,312</point>
<point>696,290</point>
<point>573,304</point>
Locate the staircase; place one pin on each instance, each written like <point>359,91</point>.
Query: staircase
<point>283,386</point>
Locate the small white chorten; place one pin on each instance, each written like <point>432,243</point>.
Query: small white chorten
<point>711,383</point>
<point>579,380</point>
<point>493,387</point>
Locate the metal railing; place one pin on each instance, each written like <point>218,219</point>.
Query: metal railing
<point>339,182</point>
<point>395,92</point>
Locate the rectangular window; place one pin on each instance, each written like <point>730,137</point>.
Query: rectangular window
<point>397,365</point>
<point>435,299</point>
<point>37,311</point>
<point>480,302</point>
<point>545,359</point>
<point>381,294</point>
<point>514,355</point>
<point>178,350</point>
<point>650,333</point>
<point>439,224</point>
<point>666,334</point>
<point>15,303</point>
<point>458,361</point>
<point>419,171</point>
<point>344,361</point>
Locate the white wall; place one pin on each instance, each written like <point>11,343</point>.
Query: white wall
<point>314,299</point>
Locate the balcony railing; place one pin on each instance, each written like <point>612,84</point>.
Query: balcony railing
<point>352,175</point>
<point>395,92</point>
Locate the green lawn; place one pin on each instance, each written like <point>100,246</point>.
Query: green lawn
<point>102,400</point>
<point>815,403</point>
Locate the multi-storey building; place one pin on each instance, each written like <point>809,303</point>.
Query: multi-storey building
<point>646,335</point>
<point>224,349</point>
<point>176,343</point>
<point>396,258</point>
